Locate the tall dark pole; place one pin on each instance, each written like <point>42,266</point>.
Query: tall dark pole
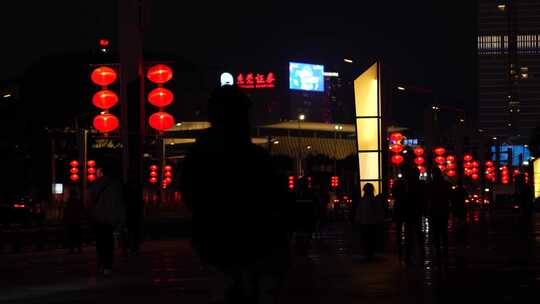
<point>130,30</point>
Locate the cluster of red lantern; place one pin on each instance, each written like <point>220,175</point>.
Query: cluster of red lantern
<point>167,176</point>
<point>334,181</point>
<point>471,167</point>
<point>451,166</point>
<point>490,171</point>
<point>160,97</point>
<point>74,170</point>
<point>419,160</point>
<point>526,177</point>
<point>505,175</point>
<point>153,174</point>
<point>104,99</point>
<point>291,182</point>
<point>439,159</point>
<point>396,148</point>
<point>515,173</point>
<point>91,170</point>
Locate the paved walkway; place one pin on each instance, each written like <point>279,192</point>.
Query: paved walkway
<point>502,266</point>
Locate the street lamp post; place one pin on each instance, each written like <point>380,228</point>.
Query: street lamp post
<point>300,167</point>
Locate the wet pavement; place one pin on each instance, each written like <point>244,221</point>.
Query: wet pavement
<point>499,263</point>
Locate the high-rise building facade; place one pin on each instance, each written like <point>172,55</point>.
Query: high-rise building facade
<point>508,67</point>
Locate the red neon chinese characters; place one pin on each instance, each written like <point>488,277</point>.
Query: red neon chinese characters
<point>240,80</point>
<point>249,78</point>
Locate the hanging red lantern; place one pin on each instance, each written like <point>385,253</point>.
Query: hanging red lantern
<point>74,177</point>
<point>105,99</point>
<point>397,159</point>
<point>451,173</point>
<point>167,168</point>
<point>475,164</point>
<point>153,174</point>
<point>396,148</point>
<point>439,151</point>
<point>167,180</point>
<point>168,174</point>
<point>475,176</point>
<point>91,163</point>
<point>419,160</point>
<point>467,165</point>
<point>74,163</point>
<point>418,151</point>
<point>106,123</point>
<point>91,170</point>
<point>153,168</point>
<point>505,180</point>
<point>440,160</point>
<point>103,76</point>
<point>490,176</point>
<point>489,163</point>
<point>153,180</point>
<point>159,74</point>
<point>451,166</point>
<point>467,171</point>
<point>441,167</point>
<point>74,170</point>
<point>490,169</point>
<point>160,97</point>
<point>467,157</point>
<point>450,158</point>
<point>474,170</point>
<point>161,121</point>
<point>91,177</point>
<point>516,172</point>
<point>422,169</point>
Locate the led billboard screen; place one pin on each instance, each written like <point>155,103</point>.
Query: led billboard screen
<point>306,77</point>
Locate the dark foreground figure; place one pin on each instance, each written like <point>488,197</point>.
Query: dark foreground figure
<point>238,231</point>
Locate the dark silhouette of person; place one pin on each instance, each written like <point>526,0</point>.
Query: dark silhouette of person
<point>108,213</point>
<point>368,219</point>
<point>73,215</point>
<point>228,183</point>
<point>413,210</point>
<point>459,211</point>
<point>439,211</point>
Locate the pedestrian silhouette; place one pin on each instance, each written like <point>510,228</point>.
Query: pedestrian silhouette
<point>439,210</point>
<point>368,219</point>
<point>73,215</point>
<point>235,198</point>
<point>108,214</point>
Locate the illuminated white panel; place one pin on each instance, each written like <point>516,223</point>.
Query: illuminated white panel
<point>536,168</point>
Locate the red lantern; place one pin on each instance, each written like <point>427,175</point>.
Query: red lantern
<point>74,170</point>
<point>168,180</point>
<point>396,137</point>
<point>439,151</point>
<point>153,180</point>
<point>505,180</point>
<point>467,165</point>
<point>105,99</point>
<point>474,176</point>
<point>467,157</point>
<point>419,160</point>
<point>418,151</point>
<point>516,172</point>
<point>153,168</point>
<point>74,163</point>
<point>91,170</point>
<point>450,158</point>
<point>106,123</point>
<point>161,121</point>
<point>168,174</point>
<point>451,166</point>
<point>422,169</point>
<point>91,163</point>
<point>103,76</point>
<point>440,160</point>
<point>467,171</point>
<point>451,173</point>
<point>489,163</point>
<point>475,164</point>
<point>159,74</point>
<point>490,169</point>
<point>74,177</point>
<point>91,177</point>
<point>397,159</point>
<point>396,148</point>
<point>153,174</point>
<point>160,97</point>
<point>490,176</point>
<point>441,167</point>
<point>167,168</point>
<point>474,170</point>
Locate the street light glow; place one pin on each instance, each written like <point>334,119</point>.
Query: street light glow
<point>401,88</point>
<point>8,95</point>
<point>302,117</point>
<point>178,124</point>
<point>347,60</point>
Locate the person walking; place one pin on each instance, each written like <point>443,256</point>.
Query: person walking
<point>439,211</point>
<point>108,213</point>
<point>73,215</point>
<point>236,201</point>
<point>368,219</point>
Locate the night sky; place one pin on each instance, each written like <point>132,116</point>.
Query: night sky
<point>425,46</point>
